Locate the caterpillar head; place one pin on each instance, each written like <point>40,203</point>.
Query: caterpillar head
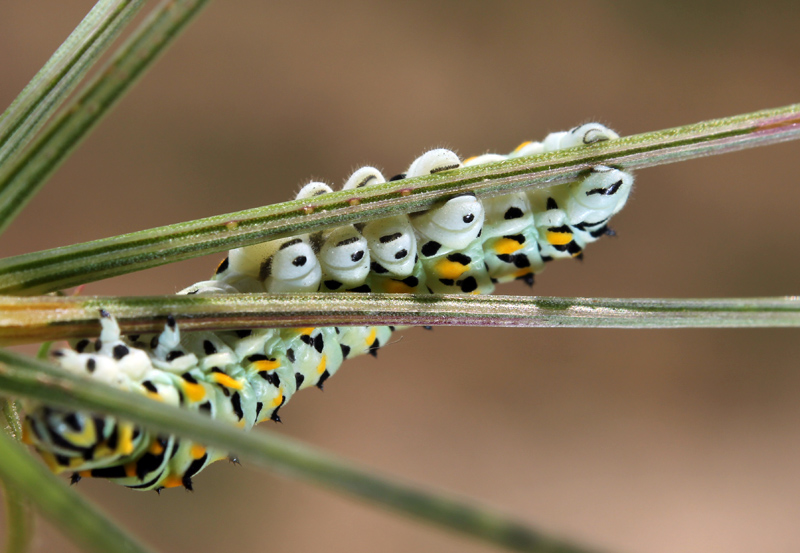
<point>582,135</point>
<point>392,245</point>
<point>600,195</point>
<point>455,224</point>
<point>365,176</point>
<point>292,268</point>
<point>345,256</point>
<point>432,162</point>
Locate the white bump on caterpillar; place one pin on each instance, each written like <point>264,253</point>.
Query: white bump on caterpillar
<point>600,195</point>
<point>366,176</point>
<point>131,361</point>
<point>313,189</point>
<point>582,135</point>
<point>208,287</point>
<point>454,225</point>
<point>95,366</point>
<point>509,214</point>
<point>485,158</point>
<point>391,241</point>
<point>285,265</point>
<point>293,268</point>
<point>169,341</point>
<point>433,161</point>
<point>345,256</point>
<point>527,149</point>
<point>392,244</point>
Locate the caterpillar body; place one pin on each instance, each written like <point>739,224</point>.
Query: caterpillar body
<point>464,245</point>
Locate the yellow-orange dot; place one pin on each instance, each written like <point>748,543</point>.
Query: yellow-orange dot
<point>232,225</point>
<point>306,330</point>
<point>195,392</point>
<point>266,365</point>
<point>449,269</point>
<point>468,160</point>
<point>406,192</point>
<point>559,238</point>
<point>197,451</point>
<point>322,363</point>
<point>227,381</point>
<point>277,400</point>
<point>125,439</point>
<point>130,470</point>
<point>373,332</point>
<point>85,474</point>
<point>522,272</point>
<point>518,148</point>
<point>397,287</point>
<point>308,210</point>
<point>154,395</point>
<point>505,246</point>
<point>156,448</point>
<point>354,201</point>
<point>172,481</point>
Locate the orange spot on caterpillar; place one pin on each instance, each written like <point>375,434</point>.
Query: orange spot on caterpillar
<point>322,364</point>
<point>227,381</point>
<point>172,481</point>
<point>559,238</point>
<point>197,451</point>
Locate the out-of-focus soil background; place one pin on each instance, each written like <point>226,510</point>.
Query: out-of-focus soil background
<point>637,441</point>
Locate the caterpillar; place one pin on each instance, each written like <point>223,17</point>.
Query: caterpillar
<point>465,245</point>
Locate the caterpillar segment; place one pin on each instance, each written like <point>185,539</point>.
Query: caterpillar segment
<point>464,245</point>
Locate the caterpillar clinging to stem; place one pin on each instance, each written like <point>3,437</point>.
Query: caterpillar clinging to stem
<point>462,246</point>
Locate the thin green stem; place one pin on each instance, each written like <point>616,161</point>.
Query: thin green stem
<point>62,72</point>
<point>76,517</point>
<point>60,268</point>
<point>33,319</point>
<point>37,381</point>
<point>22,178</point>
<point>19,515</point>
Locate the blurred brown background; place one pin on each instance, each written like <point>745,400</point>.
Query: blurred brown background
<point>635,441</point>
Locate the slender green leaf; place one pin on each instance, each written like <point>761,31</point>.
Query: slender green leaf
<point>19,521</point>
<point>22,178</point>
<point>62,72</point>
<point>76,517</point>
<point>31,379</point>
<point>33,319</point>
<point>60,268</point>
<point>19,515</point>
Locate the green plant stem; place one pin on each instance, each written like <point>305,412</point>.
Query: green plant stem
<point>76,517</point>
<point>34,380</point>
<point>33,319</point>
<point>62,72</point>
<point>22,178</point>
<point>60,268</point>
<point>19,515</point>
